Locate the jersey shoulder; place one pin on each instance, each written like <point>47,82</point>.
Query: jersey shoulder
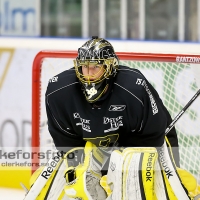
<point>61,80</point>
<point>132,80</point>
<point>129,78</point>
<point>128,72</point>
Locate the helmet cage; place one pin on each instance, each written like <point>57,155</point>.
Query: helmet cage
<point>109,65</point>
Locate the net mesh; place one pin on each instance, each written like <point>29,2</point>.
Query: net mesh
<point>175,83</point>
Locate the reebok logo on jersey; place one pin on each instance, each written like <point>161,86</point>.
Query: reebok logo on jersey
<point>54,79</point>
<point>117,107</point>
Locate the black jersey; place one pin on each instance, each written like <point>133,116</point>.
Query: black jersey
<point>132,114</point>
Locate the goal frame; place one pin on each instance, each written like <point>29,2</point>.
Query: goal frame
<point>36,73</point>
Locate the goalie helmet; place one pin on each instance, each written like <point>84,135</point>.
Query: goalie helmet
<point>96,52</point>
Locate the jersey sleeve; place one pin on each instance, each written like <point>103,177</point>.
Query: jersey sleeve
<point>154,118</point>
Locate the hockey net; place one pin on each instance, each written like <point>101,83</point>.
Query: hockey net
<point>175,77</point>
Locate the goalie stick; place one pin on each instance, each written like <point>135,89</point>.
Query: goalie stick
<point>182,112</point>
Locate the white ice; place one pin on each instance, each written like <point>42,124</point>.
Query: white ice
<point>11,194</point>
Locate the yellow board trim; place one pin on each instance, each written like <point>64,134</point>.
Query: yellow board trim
<point>12,176</point>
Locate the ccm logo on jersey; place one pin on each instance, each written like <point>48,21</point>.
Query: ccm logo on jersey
<point>117,107</point>
<point>54,79</point>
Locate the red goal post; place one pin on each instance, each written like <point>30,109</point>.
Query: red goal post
<point>140,60</point>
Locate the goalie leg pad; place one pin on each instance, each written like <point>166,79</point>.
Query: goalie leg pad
<point>173,182</point>
<point>137,173</point>
<point>138,178</point>
<point>132,172</point>
<point>187,180</point>
<point>114,175</point>
<point>48,182</point>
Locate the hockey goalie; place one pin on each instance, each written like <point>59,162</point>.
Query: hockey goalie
<point>100,105</point>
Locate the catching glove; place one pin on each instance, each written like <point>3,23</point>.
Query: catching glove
<point>83,181</point>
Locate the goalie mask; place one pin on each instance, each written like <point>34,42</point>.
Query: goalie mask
<point>95,66</point>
